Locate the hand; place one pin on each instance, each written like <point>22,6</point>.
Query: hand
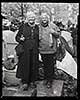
<point>22,38</point>
<point>40,57</point>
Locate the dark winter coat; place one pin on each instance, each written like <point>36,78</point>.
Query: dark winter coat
<point>27,64</point>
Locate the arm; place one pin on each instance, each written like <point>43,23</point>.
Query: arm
<point>54,30</point>
<point>18,36</point>
<point>40,33</point>
<point>37,27</point>
<point>66,45</point>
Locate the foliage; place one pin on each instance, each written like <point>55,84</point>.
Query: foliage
<point>62,11</point>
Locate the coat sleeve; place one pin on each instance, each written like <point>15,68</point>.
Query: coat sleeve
<point>38,35</point>
<point>64,42</point>
<point>54,30</point>
<point>18,36</point>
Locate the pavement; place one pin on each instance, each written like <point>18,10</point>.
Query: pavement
<point>41,90</point>
<point>56,89</point>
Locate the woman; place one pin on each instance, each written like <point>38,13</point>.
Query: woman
<point>48,47</point>
<point>27,65</point>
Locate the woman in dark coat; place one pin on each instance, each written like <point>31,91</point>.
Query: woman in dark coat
<point>28,61</point>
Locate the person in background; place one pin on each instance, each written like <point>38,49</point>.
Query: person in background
<point>73,31</point>
<point>48,34</point>
<point>28,61</point>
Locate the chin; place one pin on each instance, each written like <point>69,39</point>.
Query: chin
<point>44,22</point>
<point>31,22</point>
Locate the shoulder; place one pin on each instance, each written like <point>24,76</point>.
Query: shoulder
<point>37,27</point>
<point>25,24</point>
<point>21,25</point>
<point>54,26</point>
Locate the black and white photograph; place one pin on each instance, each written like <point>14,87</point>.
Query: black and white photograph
<point>39,49</point>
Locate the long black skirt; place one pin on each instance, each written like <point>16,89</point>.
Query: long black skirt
<point>28,66</point>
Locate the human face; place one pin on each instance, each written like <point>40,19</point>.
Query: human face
<point>44,20</point>
<point>31,20</point>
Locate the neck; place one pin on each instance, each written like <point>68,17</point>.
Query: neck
<point>31,25</point>
<point>44,24</point>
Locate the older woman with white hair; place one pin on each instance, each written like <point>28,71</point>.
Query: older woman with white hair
<point>27,65</point>
<point>48,35</point>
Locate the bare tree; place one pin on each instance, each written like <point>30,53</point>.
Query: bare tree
<point>18,9</point>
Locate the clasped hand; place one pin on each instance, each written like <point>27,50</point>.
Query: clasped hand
<point>22,38</point>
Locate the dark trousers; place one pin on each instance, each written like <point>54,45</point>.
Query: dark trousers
<point>49,61</point>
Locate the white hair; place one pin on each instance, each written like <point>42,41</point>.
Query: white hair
<point>45,15</point>
<point>30,14</point>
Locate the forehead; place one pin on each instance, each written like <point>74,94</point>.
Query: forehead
<point>44,17</point>
<point>31,17</point>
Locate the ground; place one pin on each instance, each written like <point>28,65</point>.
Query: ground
<point>63,85</point>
